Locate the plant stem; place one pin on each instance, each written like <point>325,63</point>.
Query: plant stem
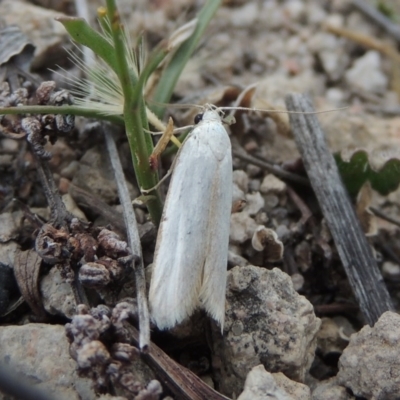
<point>141,144</point>
<point>74,110</point>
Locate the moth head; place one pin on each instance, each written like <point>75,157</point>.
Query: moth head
<point>198,118</point>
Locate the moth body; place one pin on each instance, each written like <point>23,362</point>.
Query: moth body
<point>190,262</point>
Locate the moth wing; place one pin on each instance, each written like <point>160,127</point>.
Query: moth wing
<point>212,293</point>
<point>182,241</point>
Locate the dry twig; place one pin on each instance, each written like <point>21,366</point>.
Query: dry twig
<point>274,169</point>
<point>354,250</point>
<point>380,19</point>
<point>133,240</point>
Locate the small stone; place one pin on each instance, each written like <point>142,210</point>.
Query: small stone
<point>335,96</point>
<point>272,184</point>
<point>245,16</point>
<point>70,170</point>
<point>297,281</point>
<point>7,253</point>
<point>242,227</point>
<point>254,185</point>
<point>330,390</point>
<point>283,232</point>
<point>316,14</point>
<point>63,186</point>
<point>40,353</point>
<point>370,364</point>
<point>302,252</point>
<point>72,207</point>
<point>255,202</point>
<point>295,9</point>
<point>235,259</point>
<point>238,194</point>
<point>279,327</point>
<point>9,145</point>
<point>390,269</point>
<point>241,179</point>
<point>271,201</point>
<point>261,218</point>
<point>8,228</point>
<point>332,55</point>
<point>57,295</point>
<point>261,385</point>
<point>40,26</point>
<point>253,170</point>
<point>6,160</point>
<point>336,20</point>
<point>366,74</point>
<point>297,390</point>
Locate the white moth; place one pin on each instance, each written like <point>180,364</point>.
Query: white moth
<point>190,263</point>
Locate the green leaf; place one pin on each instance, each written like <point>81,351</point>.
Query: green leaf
<point>83,34</point>
<point>172,72</point>
<point>358,170</point>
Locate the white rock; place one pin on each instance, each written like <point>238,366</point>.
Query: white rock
<point>241,179</point>
<point>238,194</point>
<point>72,207</point>
<point>9,223</point>
<point>331,52</point>
<point>271,201</point>
<point>57,295</point>
<point>242,227</point>
<point>40,353</point>
<point>279,328</point>
<point>366,73</point>
<point>294,389</point>
<point>273,14</point>
<point>261,385</point>
<point>9,145</point>
<point>272,184</point>
<point>336,20</point>
<point>245,16</point>
<point>390,269</point>
<point>297,281</point>
<point>40,26</point>
<point>7,253</point>
<point>330,390</point>
<point>254,185</point>
<point>295,9</point>
<point>315,14</point>
<point>335,96</point>
<point>283,232</point>
<point>370,364</point>
<point>255,202</point>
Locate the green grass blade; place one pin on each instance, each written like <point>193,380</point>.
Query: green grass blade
<point>172,72</point>
<point>83,34</point>
<point>140,142</point>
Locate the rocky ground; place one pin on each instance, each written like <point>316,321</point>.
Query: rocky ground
<point>293,327</point>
